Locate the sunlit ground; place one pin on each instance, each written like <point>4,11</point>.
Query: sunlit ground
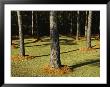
<point>83,63</point>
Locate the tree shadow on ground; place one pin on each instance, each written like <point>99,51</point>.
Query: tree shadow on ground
<point>39,45</point>
<point>49,54</point>
<point>87,62</point>
<point>95,47</point>
<point>33,41</point>
<point>67,42</point>
<point>62,42</point>
<point>40,55</point>
<point>69,51</point>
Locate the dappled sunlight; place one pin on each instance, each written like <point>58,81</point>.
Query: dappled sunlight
<point>75,57</point>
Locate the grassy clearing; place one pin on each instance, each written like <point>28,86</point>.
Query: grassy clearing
<point>83,63</point>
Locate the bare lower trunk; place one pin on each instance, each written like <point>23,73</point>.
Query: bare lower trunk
<point>36,25</point>
<point>71,24</point>
<point>77,33</point>
<point>86,24</point>
<point>89,30</point>
<point>55,48</point>
<point>32,24</point>
<point>21,38</point>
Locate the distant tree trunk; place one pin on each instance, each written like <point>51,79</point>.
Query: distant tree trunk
<point>21,38</point>
<point>86,24</point>
<point>89,30</point>
<point>77,32</point>
<point>36,25</point>
<point>54,35</point>
<point>32,24</point>
<point>71,23</point>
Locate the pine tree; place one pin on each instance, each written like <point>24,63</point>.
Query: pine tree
<point>77,33</point>
<point>21,38</point>
<point>32,24</point>
<point>54,35</point>
<point>89,30</point>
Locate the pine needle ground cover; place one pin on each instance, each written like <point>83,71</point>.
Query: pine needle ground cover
<point>77,61</point>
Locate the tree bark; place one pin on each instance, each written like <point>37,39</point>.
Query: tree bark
<point>21,38</point>
<point>86,24</point>
<point>77,33</point>
<point>89,30</point>
<point>71,23</point>
<point>36,25</point>
<point>55,48</point>
<point>32,24</point>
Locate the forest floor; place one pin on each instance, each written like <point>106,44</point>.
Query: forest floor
<point>83,62</point>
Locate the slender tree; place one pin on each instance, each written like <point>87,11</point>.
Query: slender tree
<point>36,25</point>
<point>71,23</point>
<point>86,23</point>
<point>32,24</point>
<point>21,38</point>
<point>54,35</point>
<point>89,30</point>
<point>77,33</point>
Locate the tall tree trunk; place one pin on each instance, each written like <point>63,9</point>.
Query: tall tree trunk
<point>54,35</point>
<point>71,23</point>
<point>32,24</point>
<point>36,20</point>
<point>77,32</point>
<point>21,38</point>
<point>86,23</point>
<point>89,30</point>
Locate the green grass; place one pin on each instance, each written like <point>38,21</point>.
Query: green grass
<point>83,63</point>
